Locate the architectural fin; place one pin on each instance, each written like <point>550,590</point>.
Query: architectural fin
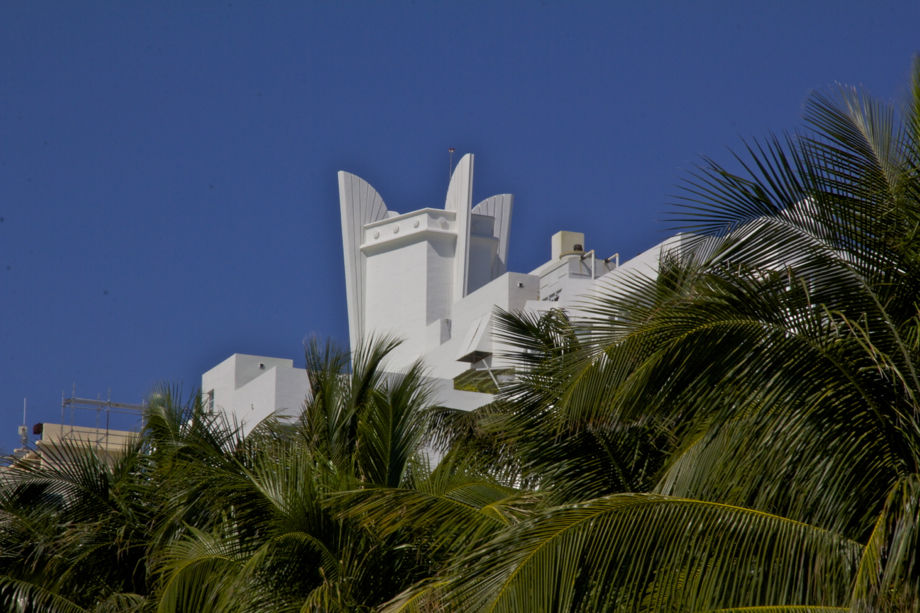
<point>361,205</point>
<point>498,207</point>
<point>460,200</point>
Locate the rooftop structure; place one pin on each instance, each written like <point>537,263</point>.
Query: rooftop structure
<point>61,444</point>
<point>58,442</point>
<point>249,388</point>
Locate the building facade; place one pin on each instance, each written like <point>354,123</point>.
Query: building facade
<point>432,278</point>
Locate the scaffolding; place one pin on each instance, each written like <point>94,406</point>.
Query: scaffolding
<point>99,437</point>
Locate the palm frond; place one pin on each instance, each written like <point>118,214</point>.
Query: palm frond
<point>392,426</point>
<point>121,603</point>
<point>647,552</point>
<point>889,571</point>
<point>424,597</point>
<point>451,512</point>
<point>19,596</point>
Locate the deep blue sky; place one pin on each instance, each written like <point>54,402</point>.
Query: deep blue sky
<point>167,171</point>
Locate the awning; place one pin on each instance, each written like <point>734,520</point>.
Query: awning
<point>478,342</point>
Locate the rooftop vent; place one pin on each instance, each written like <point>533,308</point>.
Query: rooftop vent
<point>567,242</point>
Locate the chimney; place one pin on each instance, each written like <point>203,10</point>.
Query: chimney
<point>567,242</point>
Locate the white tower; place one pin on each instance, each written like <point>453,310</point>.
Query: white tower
<point>404,272</point>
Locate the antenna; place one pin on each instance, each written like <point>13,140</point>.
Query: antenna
<point>23,431</point>
<point>450,164</point>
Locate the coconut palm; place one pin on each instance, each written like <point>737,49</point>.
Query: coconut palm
<point>251,526</point>
<point>776,363</point>
<point>197,517</point>
<point>74,531</point>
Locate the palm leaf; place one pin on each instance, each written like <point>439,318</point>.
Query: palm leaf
<point>645,552</point>
<point>19,596</point>
<point>889,572</point>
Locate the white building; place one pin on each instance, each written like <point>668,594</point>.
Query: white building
<point>433,278</point>
<point>249,388</point>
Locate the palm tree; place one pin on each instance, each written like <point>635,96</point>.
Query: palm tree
<point>74,531</point>
<point>774,367</point>
<point>197,517</point>
<point>254,525</point>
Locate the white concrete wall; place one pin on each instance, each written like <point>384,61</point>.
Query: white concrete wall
<point>644,264</point>
<point>409,287</point>
<point>359,204</point>
<point>397,295</point>
<point>249,388</point>
<point>446,395</point>
<point>293,386</point>
<point>255,400</point>
<point>483,252</point>
<point>510,292</point>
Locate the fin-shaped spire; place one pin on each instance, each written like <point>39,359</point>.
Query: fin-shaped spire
<point>360,204</point>
<point>460,200</point>
<point>499,207</point>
